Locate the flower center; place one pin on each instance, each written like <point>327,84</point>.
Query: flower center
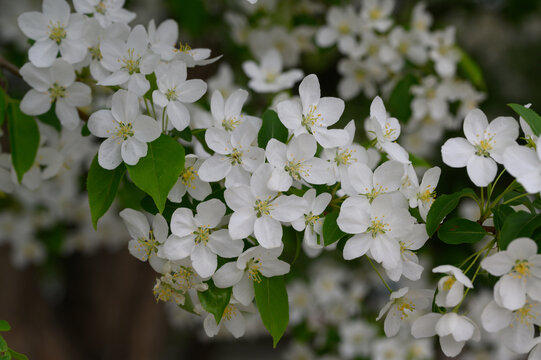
<point>448,284</point>
<point>171,94</point>
<point>229,312</point>
<point>376,190</point>
<point>483,148</point>
<point>296,169</point>
<point>427,196</point>
<point>375,14</point>
<point>56,31</point>
<point>262,207</point>
<point>311,219</point>
<point>521,269</point>
<point>131,62</point>
<point>343,28</point>
<point>388,131</point>
<point>183,48</point>
<point>525,315</point>
<point>344,157</point>
<point>231,123</point>
<point>95,53</point>
<point>101,8</point>
<point>360,75</point>
<point>235,156</point>
<point>202,234</point>
<point>377,227</point>
<point>187,176</point>
<point>148,245</point>
<point>405,306</point>
<point>311,119</point>
<point>124,131</point>
<point>57,92</point>
<point>270,77</point>
<point>253,270</point>
<point>403,47</point>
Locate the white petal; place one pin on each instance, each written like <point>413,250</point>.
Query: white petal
<point>136,223</point>
<point>215,168</point>
<point>35,103</point>
<point>145,128</point>
<point>228,275</point>
<point>221,244</point>
<point>288,208</point>
<point>241,223</point>
<point>176,248</point>
<point>425,326</point>
<point>456,152</point>
<point>268,232</point>
<point>178,115</point>
<point>357,246</point>
<point>43,53</point>
<point>475,124</point>
<point>109,154</point>
<point>309,92</point>
<point>209,213</point>
<point>132,150</point>
<point>182,222</point>
<point>204,261</point>
<point>481,170</point>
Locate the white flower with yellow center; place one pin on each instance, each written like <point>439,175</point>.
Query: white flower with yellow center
<point>385,179</point>
<point>311,222</point>
<point>516,328</point>
<point>524,163</point>
<point>260,211</point>
<point>341,28</point>
<point>451,287</point>
<point>249,267</point>
<point>421,196</point>
<point>403,303</point>
<point>408,266</point>
<point>232,319</point>
<point>227,114</point>
<point>520,266</point>
<point>145,241</point>
<point>126,129</point>
<point>190,182</point>
<point>196,237</point>
<point>106,12</point>
<point>313,114</point>
<point>375,14</point>
<point>483,147</point>
<point>53,30</point>
<point>295,162</point>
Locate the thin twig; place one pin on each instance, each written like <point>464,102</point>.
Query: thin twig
<point>9,66</point>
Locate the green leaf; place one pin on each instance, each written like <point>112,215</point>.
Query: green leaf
<point>272,303</point>
<point>24,139</point>
<point>84,130</point>
<point>530,116</point>
<point>188,304</point>
<point>442,206</point>
<point>469,69</point>
<point>157,172</point>
<point>51,119</point>
<point>3,345</point>
<point>3,105</point>
<point>331,232</point>
<point>460,231</point>
<point>215,300</point>
<point>4,325</point>
<point>401,97</point>
<point>17,356</point>
<point>519,224</point>
<point>501,212</point>
<point>292,245</point>
<point>418,162</point>
<point>102,186</point>
<point>272,128</point>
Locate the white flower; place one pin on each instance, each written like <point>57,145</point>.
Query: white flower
<point>516,328</point>
<point>232,319</point>
<point>268,78</point>
<point>520,266</point>
<point>355,339</point>
<point>260,210</point>
<point>314,114</point>
<point>189,181</point>
<point>295,161</point>
<point>421,196</point>
<point>55,85</point>
<point>127,131</point>
<point>430,100</point>
<point>409,263</point>
<point>385,179</point>
<point>375,14</point>
<point>53,30</point>
<point>174,90</point>
<point>145,241</point>
<point>163,38</point>
<point>484,146</point>
<point>128,61</point>
<point>105,12</point>
<point>235,157</point>
<point>453,329</point>
<point>403,303</point>
<point>443,52</point>
<point>277,37</point>
<point>227,113</point>
<point>249,267</point>
<point>357,76</point>
<point>311,221</point>
<point>223,81</point>
<point>194,236</point>
<point>524,163</point>
<point>193,57</point>
<point>342,26</point>
<point>451,287</point>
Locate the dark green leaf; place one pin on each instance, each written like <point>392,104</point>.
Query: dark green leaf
<point>401,97</point>
<point>17,356</point>
<point>418,162</point>
<point>185,134</point>
<point>51,119</point>
<point>5,356</point>
<point>331,232</point>
<point>102,186</point>
<point>272,303</point>
<point>501,212</point>
<point>442,206</point>
<point>272,128</point>
<point>460,231</point>
<point>530,116</point>
<point>519,224</point>
<point>215,300</point>
<point>157,172</point>
<point>24,139</point>
<point>84,130</point>
<point>292,244</point>
<point>3,345</point>
<point>149,206</point>
<point>470,70</point>
<point>4,325</point>
<point>188,304</point>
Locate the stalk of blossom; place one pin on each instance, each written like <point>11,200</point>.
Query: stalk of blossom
<point>55,29</point>
<point>421,196</point>
<point>174,90</point>
<point>385,179</point>
<point>453,330</point>
<point>190,182</point>
<point>520,266</point>
<point>55,84</point>
<point>524,163</point>
<point>196,237</point>
<point>106,12</point>
<point>249,267</point>
<point>232,319</point>
<point>259,210</point>
<point>235,158</point>
<point>268,77</point>
<point>128,61</point>
<point>311,221</point>
<point>409,263</point>
<point>145,241</point>
<point>295,161</point>
<point>313,114</point>
<point>516,328</point>
<point>451,287</point>
<point>126,129</point>
<point>483,147</point>
<point>403,303</point>
<point>227,114</point>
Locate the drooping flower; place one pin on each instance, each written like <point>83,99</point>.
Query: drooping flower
<point>451,287</point>
<point>145,241</point>
<point>106,12</point>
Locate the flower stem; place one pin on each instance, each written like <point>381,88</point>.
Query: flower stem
<point>377,272</point>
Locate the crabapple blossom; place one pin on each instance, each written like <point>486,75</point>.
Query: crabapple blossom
<point>451,287</point>
<point>145,241</point>
<point>190,182</point>
<point>227,113</point>
<point>421,196</point>
<point>343,25</point>
<point>106,12</point>
<point>268,77</point>
<point>385,179</point>
<point>524,163</point>
<point>232,319</point>
<point>311,221</point>
<point>408,266</point>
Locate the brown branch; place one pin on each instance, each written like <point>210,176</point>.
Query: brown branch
<point>9,67</point>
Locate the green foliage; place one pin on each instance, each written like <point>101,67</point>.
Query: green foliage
<point>4,325</point>
<point>3,105</point>
<point>24,139</point>
<point>3,345</point>
<point>530,116</point>
<point>51,119</point>
<point>331,232</point>
<point>443,205</point>
<point>5,352</point>
<point>292,244</point>
<point>272,128</point>
<point>215,300</point>
<point>501,212</point>
<point>519,224</point>
<point>102,186</point>
<point>460,231</point>
<point>273,305</point>
<point>469,69</point>
<point>401,98</point>
<point>157,172</point>
<point>191,15</point>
